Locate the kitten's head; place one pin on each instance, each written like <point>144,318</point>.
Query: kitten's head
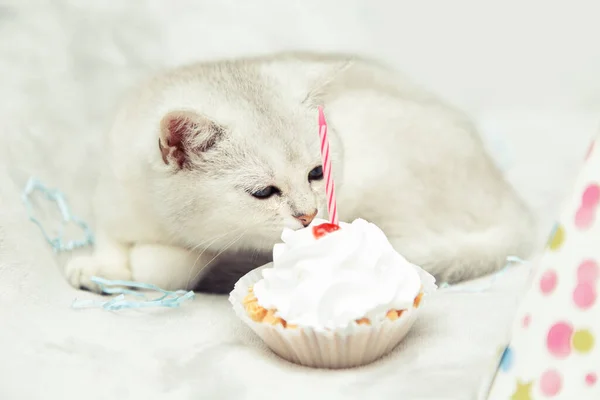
<point>239,182</point>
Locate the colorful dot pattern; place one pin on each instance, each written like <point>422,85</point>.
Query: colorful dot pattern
<point>553,353</point>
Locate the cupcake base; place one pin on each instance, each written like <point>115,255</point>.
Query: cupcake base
<point>355,345</point>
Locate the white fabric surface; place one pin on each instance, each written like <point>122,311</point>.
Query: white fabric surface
<point>62,68</point>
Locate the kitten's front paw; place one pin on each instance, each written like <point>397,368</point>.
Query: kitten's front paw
<point>80,270</point>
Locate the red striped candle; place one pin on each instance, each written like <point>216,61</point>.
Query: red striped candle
<point>329,184</point>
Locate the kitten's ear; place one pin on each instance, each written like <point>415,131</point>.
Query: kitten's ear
<point>185,135</point>
<point>321,77</point>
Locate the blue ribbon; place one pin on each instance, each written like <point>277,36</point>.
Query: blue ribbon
<point>58,244</point>
<point>170,299</point>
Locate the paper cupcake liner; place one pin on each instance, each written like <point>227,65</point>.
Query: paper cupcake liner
<point>341,348</point>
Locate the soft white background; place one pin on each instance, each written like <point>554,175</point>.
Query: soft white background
<point>526,70</point>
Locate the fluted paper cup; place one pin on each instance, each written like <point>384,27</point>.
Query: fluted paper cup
<point>340,348</point>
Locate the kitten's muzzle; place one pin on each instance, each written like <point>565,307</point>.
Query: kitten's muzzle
<point>306,218</point>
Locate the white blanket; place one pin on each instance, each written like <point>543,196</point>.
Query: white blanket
<point>62,69</point>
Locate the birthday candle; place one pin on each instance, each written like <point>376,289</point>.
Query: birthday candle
<point>329,184</point>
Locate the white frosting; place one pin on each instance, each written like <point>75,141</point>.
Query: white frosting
<point>346,275</point>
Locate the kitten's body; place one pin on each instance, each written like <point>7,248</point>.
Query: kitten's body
<point>401,159</point>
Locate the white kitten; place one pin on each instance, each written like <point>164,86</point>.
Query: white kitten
<point>209,162</point>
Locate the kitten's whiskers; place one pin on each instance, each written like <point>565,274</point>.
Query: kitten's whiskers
<point>218,254</point>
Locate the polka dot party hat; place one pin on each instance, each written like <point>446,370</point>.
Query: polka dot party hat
<point>554,352</point>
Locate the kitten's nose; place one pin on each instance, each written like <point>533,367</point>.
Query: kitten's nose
<point>306,219</point>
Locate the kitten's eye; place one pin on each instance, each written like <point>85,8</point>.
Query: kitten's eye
<point>316,174</point>
<point>266,192</point>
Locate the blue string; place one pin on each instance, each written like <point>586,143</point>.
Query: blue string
<point>168,298</point>
<point>510,261</point>
<point>58,244</point>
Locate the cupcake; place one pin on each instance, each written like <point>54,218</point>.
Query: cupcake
<point>334,296</point>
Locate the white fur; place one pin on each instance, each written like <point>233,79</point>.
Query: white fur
<point>401,159</point>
